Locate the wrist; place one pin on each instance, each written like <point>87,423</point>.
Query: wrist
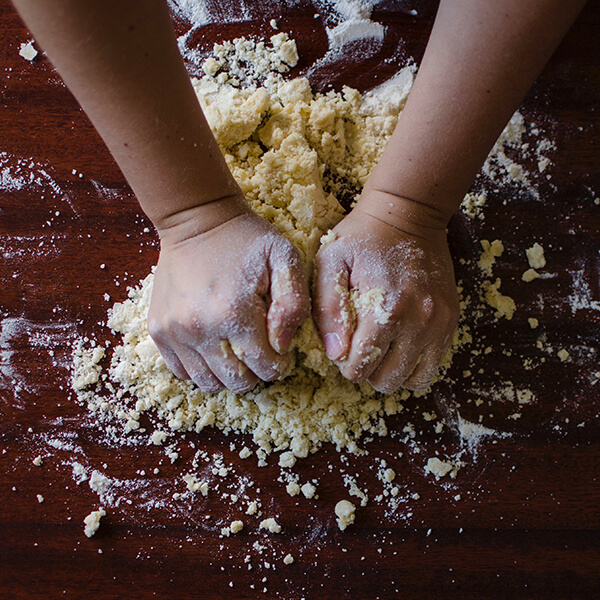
<point>405,214</point>
<point>196,220</point>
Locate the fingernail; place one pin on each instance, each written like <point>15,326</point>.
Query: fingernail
<point>333,345</point>
<point>284,340</point>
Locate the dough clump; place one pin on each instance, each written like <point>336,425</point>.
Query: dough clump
<point>295,154</point>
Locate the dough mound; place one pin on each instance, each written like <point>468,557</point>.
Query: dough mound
<point>294,154</point>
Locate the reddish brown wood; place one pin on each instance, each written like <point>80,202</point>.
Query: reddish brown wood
<point>527,524</point>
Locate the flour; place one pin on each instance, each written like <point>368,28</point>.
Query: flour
<point>506,162</point>
<point>355,30</point>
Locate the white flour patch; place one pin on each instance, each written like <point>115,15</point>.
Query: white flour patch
<point>19,332</point>
<point>353,31</point>
<point>10,380</point>
<point>31,247</point>
<point>472,434</point>
<point>18,173</point>
<point>582,296</point>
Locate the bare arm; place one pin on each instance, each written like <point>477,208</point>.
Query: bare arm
<point>120,60</point>
<point>480,61</point>
<point>225,278</point>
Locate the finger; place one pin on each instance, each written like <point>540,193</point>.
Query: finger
<point>397,366</point>
<point>199,372</point>
<point>172,361</point>
<point>168,354</point>
<point>290,305</point>
<point>229,369</point>
<point>370,345</point>
<point>252,347</point>
<point>426,369</point>
<point>333,314</point>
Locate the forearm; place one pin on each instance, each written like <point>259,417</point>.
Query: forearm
<point>120,59</point>
<point>481,59</point>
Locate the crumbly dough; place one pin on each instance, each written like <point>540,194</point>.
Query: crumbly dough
<point>236,526</point>
<point>505,306</point>
<point>271,525</point>
<point>92,522</point>
<point>440,468</point>
<point>535,256</point>
<point>294,153</point>
<point>491,251</point>
<point>530,275</point>
<point>345,513</point>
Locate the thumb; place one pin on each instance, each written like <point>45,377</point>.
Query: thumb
<point>333,313</point>
<point>290,305</point>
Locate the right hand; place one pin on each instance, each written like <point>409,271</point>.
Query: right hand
<point>399,340</point>
<point>226,302</point>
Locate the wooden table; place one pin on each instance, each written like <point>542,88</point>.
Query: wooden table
<point>522,517</point>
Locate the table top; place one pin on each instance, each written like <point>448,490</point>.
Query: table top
<point>521,517</point>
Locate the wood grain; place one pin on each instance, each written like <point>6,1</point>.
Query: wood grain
<point>521,519</point>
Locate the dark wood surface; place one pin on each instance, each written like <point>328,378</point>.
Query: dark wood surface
<point>522,518</point>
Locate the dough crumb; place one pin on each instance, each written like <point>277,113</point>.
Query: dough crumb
<point>563,355</point>
<point>194,485</point>
<point>236,526</point>
<point>535,256</point>
<point>27,51</point>
<point>345,512</point>
<point>92,522</point>
<point>252,508</point>
<point>533,322</point>
<point>530,275</point>
<point>441,468</point>
<point>288,559</point>
<point>308,490</point>
<point>287,460</point>
<point>245,452</point>
<point>505,306</point>
<point>371,303</point>
<point>292,488</point>
<point>271,525</point>
<point>473,204</point>
<point>491,251</point>
<point>37,461</point>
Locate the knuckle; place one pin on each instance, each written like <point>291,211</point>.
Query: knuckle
<point>428,310</point>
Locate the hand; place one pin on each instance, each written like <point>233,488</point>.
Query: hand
<point>227,302</point>
<point>385,299</point>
